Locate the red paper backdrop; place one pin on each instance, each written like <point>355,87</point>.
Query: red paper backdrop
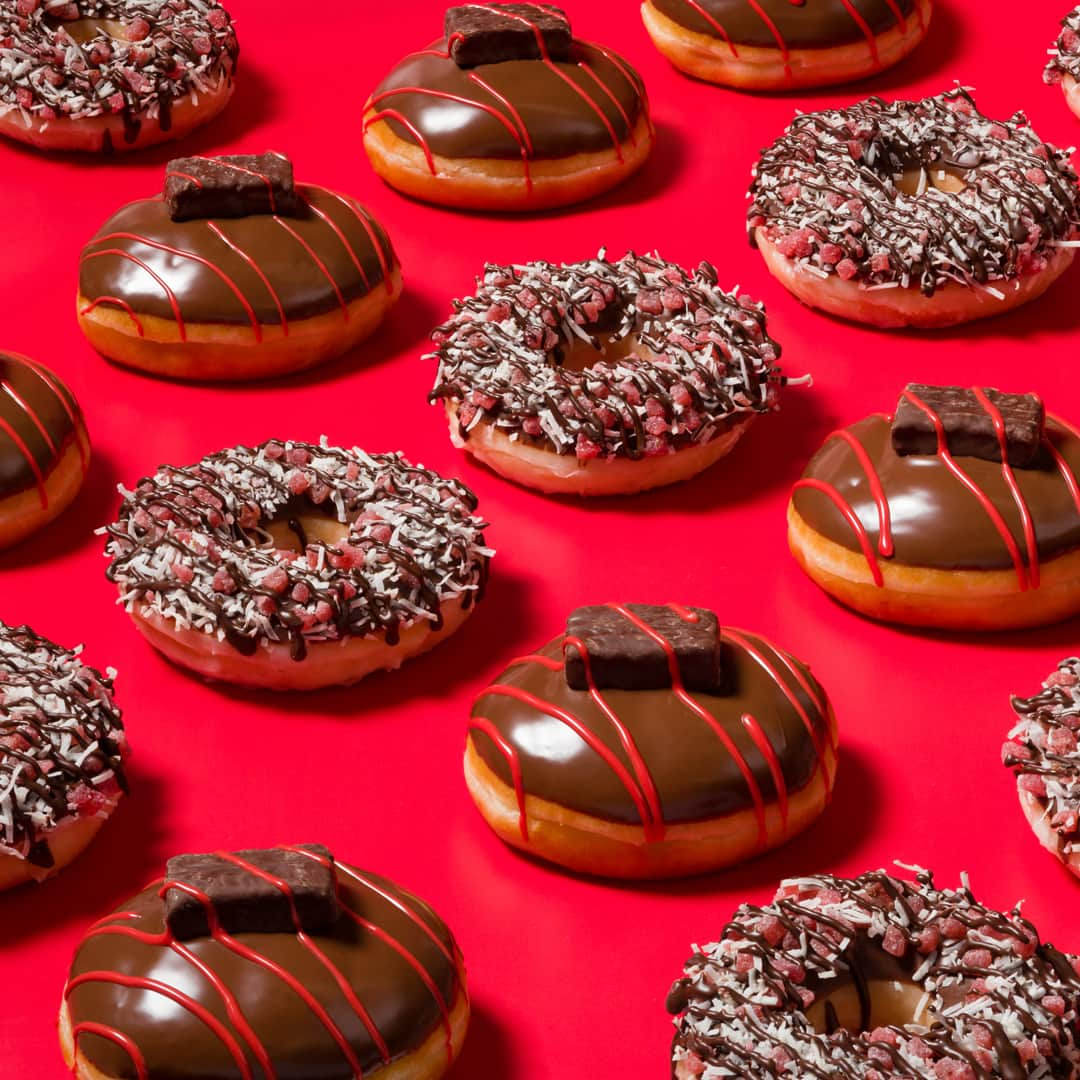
<point>568,976</point>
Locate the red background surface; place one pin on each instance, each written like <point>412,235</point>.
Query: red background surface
<point>568,975</point>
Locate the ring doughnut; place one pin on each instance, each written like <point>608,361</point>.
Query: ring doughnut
<point>293,566</point>
<point>874,976</point>
<point>1064,64</point>
<point>595,378</point>
<point>62,750</point>
<point>916,213</point>
<point>103,75</point>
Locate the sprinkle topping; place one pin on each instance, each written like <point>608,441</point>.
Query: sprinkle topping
<point>62,742</point>
<point>914,193</point>
<point>192,544</point>
<point>698,357</point>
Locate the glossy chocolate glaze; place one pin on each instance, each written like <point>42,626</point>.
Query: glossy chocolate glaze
<point>935,520</point>
<point>37,423</point>
<point>178,1045</point>
<point>349,256</point>
<point>570,110</point>
<point>694,774</point>
<point>812,24</point>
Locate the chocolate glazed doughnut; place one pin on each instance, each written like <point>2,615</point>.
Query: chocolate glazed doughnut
<point>278,280</point>
<point>650,742</point>
<point>302,967</point>
<point>948,536</point>
<point>781,44</point>
<point>511,125</point>
<point>44,447</point>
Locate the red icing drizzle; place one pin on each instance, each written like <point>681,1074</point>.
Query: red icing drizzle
<point>715,25</point>
<point>112,1035</point>
<point>380,253</point>
<point>1014,488</point>
<point>479,723</point>
<point>216,230</point>
<point>761,741</point>
<point>984,500</point>
<point>589,100</point>
<point>1063,467</point>
<point>885,540</point>
<point>510,108</point>
<point>120,304</point>
<point>247,172</point>
<point>852,519</point>
<point>23,449</point>
<point>318,262</point>
<point>62,397</point>
<point>33,416</point>
<point>184,176</point>
<point>865,28</point>
<point>173,302</point>
<point>412,129</point>
<point>781,43</point>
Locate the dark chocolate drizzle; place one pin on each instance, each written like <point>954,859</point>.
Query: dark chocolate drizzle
<point>500,356</point>
<point>62,742</point>
<point>387,983</point>
<point>816,24</point>
<point>1042,750</point>
<point>168,50</point>
<point>825,193</point>
<point>1000,1003</point>
<point>39,420</point>
<point>191,545</point>
<point>1065,54</point>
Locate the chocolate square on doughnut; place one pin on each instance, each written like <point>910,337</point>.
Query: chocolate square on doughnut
<point>969,426</point>
<point>243,900</point>
<point>234,185</point>
<point>492,33</point>
<point>623,656</point>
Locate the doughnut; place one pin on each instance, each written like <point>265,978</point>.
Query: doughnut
<point>274,962</point>
<point>961,511</point>
<point>1042,752</point>
<point>235,273</point>
<point>1064,65</point>
<point>105,75</point>
<point>507,111</point>
<point>596,378</point>
<point>62,750</point>
<point>650,742</point>
<point>44,447</point>
<point>291,566</point>
<point>873,977</point>
<point>784,44</point>
<point>916,213</point>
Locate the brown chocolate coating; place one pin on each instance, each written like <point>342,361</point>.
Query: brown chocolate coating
<point>348,252</point>
<point>558,119</point>
<point>935,521</point>
<point>37,423</point>
<point>813,24</point>
<point>177,1044</point>
<point>694,774</point>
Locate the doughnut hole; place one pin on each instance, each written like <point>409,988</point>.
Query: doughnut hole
<point>579,355</point>
<point>892,1002</point>
<point>293,532</point>
<point>85,30</point>
<point>918,177</point>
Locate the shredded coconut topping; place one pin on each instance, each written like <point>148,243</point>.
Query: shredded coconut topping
<point>1065,55</point>
<point>996,1000</point>
<point>828,194</point>
<point>1042,749</point>
<point>192,544</point>
<point>163,50</point>
<point>699,357</point>
<point>61,742</point>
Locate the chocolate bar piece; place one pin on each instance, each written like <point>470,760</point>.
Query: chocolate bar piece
<point>492,33</point>
<point>246,902</point>
<point>969,427</point>
<point>235,185</point>
<point>622,656</point>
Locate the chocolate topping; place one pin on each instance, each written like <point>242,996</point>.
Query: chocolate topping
<point>262,268</point>
<point>363,992</point>
<point>702,358</point>
<point>831,194</point>
<point>191,544</point>
<point>1065,54</point>
<point>516,109</point>
<point>275,890</point>
<point>697,774</point>
<point>39,420</point>
<point>62,742</point>
<point>933,518</point>
<point>618,654</point>
<point>1042,750</point>
<point>494,33</point>
<point>975,423</point>
<point>160,54</point>
<point>772,24</point>
<point>998,1002</point>
<point>230,186</point>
